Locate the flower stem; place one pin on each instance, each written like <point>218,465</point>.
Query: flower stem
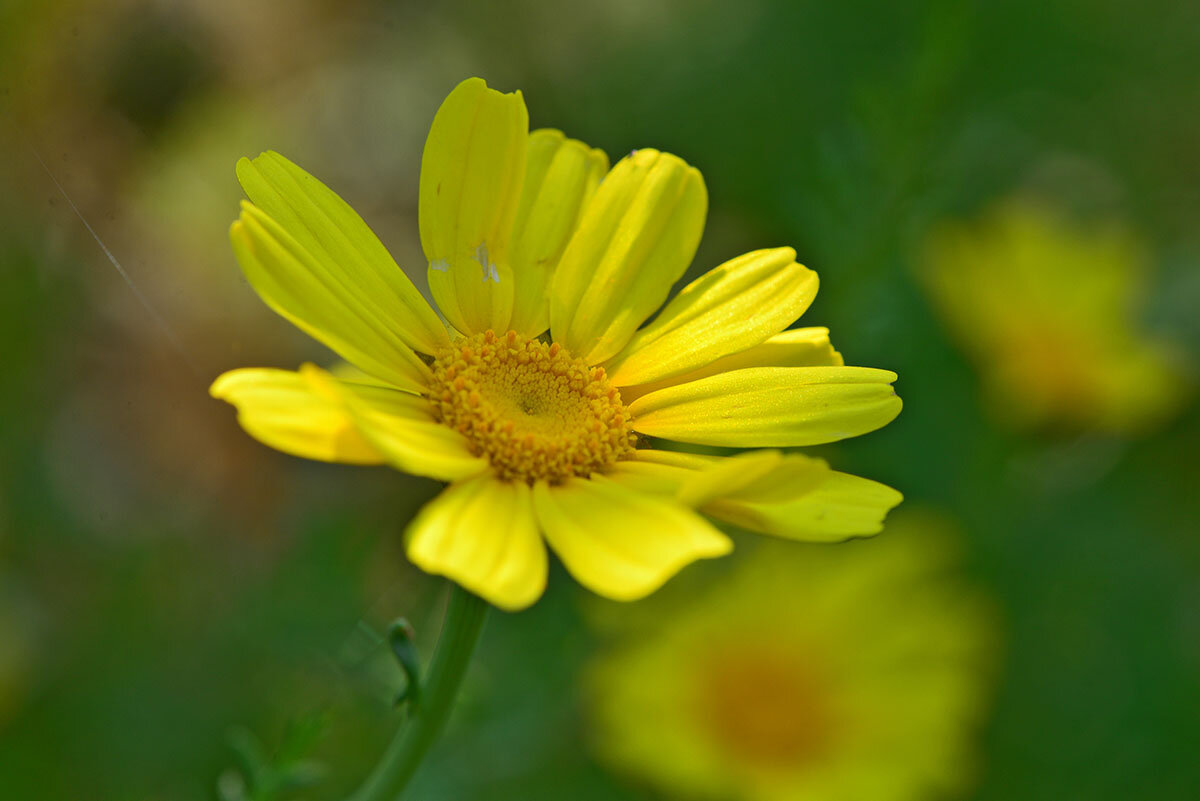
<point>460,631</point>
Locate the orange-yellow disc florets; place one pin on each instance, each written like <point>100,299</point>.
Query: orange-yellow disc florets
<point>533,410</point>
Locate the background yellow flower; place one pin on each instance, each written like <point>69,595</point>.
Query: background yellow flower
<point>856,672</point>
<point>1049,309</point>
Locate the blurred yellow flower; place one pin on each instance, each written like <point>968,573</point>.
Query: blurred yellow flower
<point>541,436</point>
<point>1047,308</point>
<point>809,674</point>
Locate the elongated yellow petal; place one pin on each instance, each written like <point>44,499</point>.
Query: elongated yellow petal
<point>401,427</point>
<point>691,478</point>
<point>762,476</point>
<point>648,477</point>
<point>727,475</point>
<point>315,297</point>
<point>635,239</point>
<point>481,533</point>
<point>793,476</point>
<point>800,347</point>
<point>345,371</point>
<point>792,495</point>
<point>838,507</point>
<point>280,409</point>
<point>332,233</point>
<point>471,176</point>
<point>561,175</point>
<point>770,407</point>
<point>620,543</point>
<point>728,309</point>
<point>684,459</point>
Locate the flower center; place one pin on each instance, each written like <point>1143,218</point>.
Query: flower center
<point>531,408</point>
<point>765,706</point>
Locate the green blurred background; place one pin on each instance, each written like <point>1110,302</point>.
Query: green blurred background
<point>165,580</point>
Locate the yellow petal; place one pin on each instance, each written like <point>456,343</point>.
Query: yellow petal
<point>690,461</point>
<point>838,507</point>
<point>770,407</point>
<point>794,475</point>
<point>280,409</point>
<point>635,239</point>
<point>620,543</point>
<point>319,298</point>
<point>335,236</point>
<point>727,475</point>
<point>670,472</point>
<point>481,533</point>
<point>800,347</point>
<point>401,427</point>
<point>345,371</point>
<point>730,308</point>
<point>790,495</point>
<point>648,477</point>
<point>471,176</point>
<point>561,175</point>
<point>694,479</point>
<point>680,475</point>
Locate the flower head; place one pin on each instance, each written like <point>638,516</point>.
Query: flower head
<point>1047,308</point>
<point>804,674</point>
<point>535,402</point>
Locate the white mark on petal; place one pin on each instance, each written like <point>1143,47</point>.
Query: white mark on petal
<point>489,268</point>
<point>441,265</point>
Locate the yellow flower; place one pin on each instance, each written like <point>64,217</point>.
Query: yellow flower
<point>1047,309</point>
<point>809,674</point>
<point>545,436</point>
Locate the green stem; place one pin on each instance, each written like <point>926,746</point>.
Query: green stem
<point>460,631</point>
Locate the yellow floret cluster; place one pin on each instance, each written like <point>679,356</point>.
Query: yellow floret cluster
<point>534,411</point>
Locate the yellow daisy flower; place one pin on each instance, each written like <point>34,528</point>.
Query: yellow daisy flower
<point>808,674</point>
<point>543,437</point>
<point>1047,309</point>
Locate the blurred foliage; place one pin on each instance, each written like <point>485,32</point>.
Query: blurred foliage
<point>166,580</point>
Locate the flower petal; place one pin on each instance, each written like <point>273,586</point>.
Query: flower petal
<point>648,477</point>
<point>840,506</point>
<point>794,475</point>
<point>620,543</point>
<point>770,407</point>
<point>471,175</point>
<point>728,309</point>
<point>694,479</point>
<point>635,239</point>
<point>482,534</point>
<point>324,225</point>
<point>787,495</point>
<point>318,297</point>
<point>726,475</point>
<point>401,427</point>
<point>280,409</point>
<point>561,175</point>
<point>800,347</point>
